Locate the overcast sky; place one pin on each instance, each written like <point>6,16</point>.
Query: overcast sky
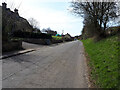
<point>49,13</point>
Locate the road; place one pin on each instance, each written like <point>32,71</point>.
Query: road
<point>60,66</point>
<point>26,45</point>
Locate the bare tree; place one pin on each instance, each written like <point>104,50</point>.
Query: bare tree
<point>97,13</point>
<point>46,29</point>
<point>49,31</point>
<point>34,23</point>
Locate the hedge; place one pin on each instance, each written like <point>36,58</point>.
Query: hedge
<point>21,34</point>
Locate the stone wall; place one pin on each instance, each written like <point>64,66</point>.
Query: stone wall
<point>56,41</point>
<point>11,46</point>
<point>39,41</point>
<point>43,41</point>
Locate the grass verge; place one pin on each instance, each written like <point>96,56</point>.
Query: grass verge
<point>103,61</point>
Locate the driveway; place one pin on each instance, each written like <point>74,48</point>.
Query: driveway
<point>61,66</point>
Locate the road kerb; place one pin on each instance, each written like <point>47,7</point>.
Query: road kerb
<point>17,53</point>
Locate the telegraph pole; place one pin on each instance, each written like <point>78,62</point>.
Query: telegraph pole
<point>62,32</point>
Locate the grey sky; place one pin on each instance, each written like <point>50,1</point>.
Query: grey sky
<point>49,13</point>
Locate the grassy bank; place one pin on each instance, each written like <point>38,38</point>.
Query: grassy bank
<point>103,61</point>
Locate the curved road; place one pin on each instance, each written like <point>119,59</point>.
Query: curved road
<point>61,66</point>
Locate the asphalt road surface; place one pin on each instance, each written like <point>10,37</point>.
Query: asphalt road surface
<point>61,66</point>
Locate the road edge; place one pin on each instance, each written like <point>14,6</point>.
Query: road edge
<point>17,53</point>
<point>88,78</point>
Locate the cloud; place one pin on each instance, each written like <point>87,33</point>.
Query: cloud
<point>50,15</point>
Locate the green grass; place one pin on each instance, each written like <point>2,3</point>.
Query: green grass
<point>103,61</point>
<point>57,37</point>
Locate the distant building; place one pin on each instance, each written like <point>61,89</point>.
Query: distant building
<point>68,36</point>
<point>51,32</point>
<point>36,30</point>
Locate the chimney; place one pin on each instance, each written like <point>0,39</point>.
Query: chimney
<point>16,11</point>
<point>4,5</point>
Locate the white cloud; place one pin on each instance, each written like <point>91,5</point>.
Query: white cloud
<point>49,17</point>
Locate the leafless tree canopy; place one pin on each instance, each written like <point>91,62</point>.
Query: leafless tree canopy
<point>33,22</point>
<point>98,13</point>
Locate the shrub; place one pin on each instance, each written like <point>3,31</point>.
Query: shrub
<point>21,34</point>
<point>57,37</point>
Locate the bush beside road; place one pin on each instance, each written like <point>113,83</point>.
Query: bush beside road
<point>57,38</point>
